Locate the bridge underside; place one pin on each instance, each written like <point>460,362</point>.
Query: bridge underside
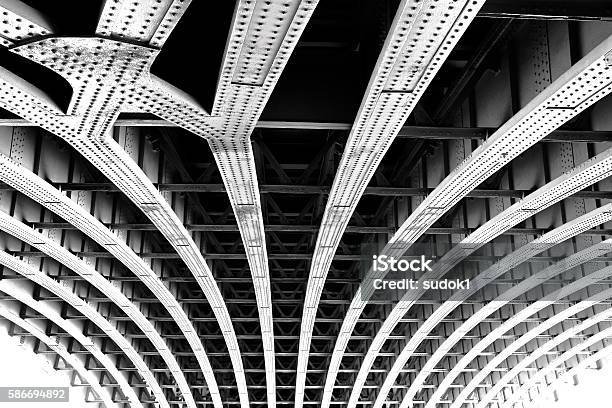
<point>178,163</point>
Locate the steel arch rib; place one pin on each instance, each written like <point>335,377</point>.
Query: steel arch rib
<point>128,181</point>
<point>421,37</point>
<point>87,343</point>
<point>588,173</point>
<point>537,279</point>
<point>90,313</point>
<point>523,254</point>
<point>549,345</point>
<point>509,324</point>
<point>586,82</point>
<point>91,113</point>
<point>551,367</point>
<point>39,241</point>
<point>248,76</point>
<point>60,350</point>
<point>249,73</point>
<point>42,192</point>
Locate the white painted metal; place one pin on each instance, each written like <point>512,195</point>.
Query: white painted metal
<point>46,245</point>
<point>262,37</point>
<point>114,70</point>
<point>521,255</point>
<point>53,344</point>
<point>254,60</point>
<point>519,317</point>
<point>242,93</point>
<point>40,191</point>
<point>581,86</point>
<point>20,22</point>
<point>11,289</point>
<point>537,279</point>
<point>533,381</point>
<point>588,173</point>
<point>261,40</point>
<point>64,292</point>
<point>420,39</point>
<point>143,21</point>
<point>546,347</point>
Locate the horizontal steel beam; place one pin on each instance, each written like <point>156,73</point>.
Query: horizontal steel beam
<point>335,302</point>
<point>411,320</point>
<point>387,354</point>
<point>314,190</point>
<point>353,229</point>
<point>455,133</point>
<point>407,132</point>
<point>220,228</point>
<point>277,256</point>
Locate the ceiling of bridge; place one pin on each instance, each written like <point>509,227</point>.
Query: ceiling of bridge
<point>191,193</point>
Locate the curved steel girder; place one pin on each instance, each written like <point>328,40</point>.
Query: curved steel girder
<point>586,174</point>
<point>420,39</point>
<point>99,95</point>
<point>261,40</point>
<point>44,244</point>
<point>580,87</point>
<point>553,365</point>
<point>69,327</point>
<point>509,324</point>
<point>572,261</point>
<point>66,294</point>
<point>549,345</point>
<point>42,192</point>
<point>60,350</point>
<point>270,31</point>
<point>521,255</point>
<point>92,111</point>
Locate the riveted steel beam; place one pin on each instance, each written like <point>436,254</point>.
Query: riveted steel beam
<point>420,39</point>
<point>42,192</point>
<point>521,287</point>
<point>262,37</point>
<point>86,124</point>
<point>548,240</point>
<point>547,111</point>
<point>406,132</point>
